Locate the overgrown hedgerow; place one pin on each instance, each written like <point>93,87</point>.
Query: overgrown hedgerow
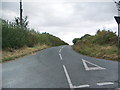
<point>101,45</point>
<point>16,37</point>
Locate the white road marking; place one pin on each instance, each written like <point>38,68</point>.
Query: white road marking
<point>104,83</point>
<point>82,86</point>
<point>60,50</point>
<point>11,82</point>
<point>63,46</point>
<point>91,68</point>
<point>60,56</point>
<point>68,77</point>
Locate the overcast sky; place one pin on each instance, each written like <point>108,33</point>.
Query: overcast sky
<point>66,20</point>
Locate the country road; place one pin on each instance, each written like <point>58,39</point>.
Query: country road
<point>59,67</point>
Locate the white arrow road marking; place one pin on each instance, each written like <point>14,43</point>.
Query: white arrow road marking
<point>104,83</point>
<point>91,68</point>
<point>68,77</point>
<point>82,86</point>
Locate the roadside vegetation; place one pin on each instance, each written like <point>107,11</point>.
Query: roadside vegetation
<point>18,41</point>
<point>104,44</point>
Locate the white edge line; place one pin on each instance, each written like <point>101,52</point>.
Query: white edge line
<point>104,83</point>
<point>60,56</point>
<point>68,77</point>
<point>82,86</point>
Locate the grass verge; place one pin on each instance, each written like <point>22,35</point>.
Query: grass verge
<point>12,54</point>
<point>99,51</point>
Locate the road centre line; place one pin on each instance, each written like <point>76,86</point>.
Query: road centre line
<point>104,83</point>
<point>82,86</point>
<point>60,53</point>
<point>60,56</point>
<point>63,47</point>
<point>60,50</point>
<point>68,77</point>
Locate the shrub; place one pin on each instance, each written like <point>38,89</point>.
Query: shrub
<point>105,37</point>
<point>16,37</point>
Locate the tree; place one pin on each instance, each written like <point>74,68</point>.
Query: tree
<point>24,22</point>
<point>75,40</point>
<point>21,21</point>
<point>85,36</point>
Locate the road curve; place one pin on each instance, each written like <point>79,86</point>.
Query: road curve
<point>59,67</point>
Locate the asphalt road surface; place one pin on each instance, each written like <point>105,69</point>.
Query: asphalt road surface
<point>59,67</point>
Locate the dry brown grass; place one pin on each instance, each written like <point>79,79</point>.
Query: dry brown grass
<point>12,54</point>
<point>99,51</point>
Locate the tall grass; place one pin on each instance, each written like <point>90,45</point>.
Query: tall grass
<point>101,45</point>
<point>16,53</point>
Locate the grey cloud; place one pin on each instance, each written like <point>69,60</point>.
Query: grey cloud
<point>96,11</point>
<point>66,20</point>
<point>11,6</point>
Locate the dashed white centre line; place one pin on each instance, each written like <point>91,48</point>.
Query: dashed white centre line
<point>68,77</point>
<point>104,83</point>
<point>60,50</point>
<point>60,56</point>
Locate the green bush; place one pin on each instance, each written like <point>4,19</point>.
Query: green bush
<point>75,40</point>
<point>102,37</point>
<point>101,45</point>
<point>16,37</point>
<point>105,37</point>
